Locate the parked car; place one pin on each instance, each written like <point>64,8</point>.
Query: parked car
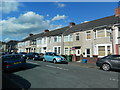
<point>23,54</point>
<point>11,62</point>
<point>53,57</point>
<point>34,56</point>
<point>109,62</point>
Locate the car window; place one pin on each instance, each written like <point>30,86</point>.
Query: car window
<point>51,54</point>
<point>46,54</point>
<point>36,54</point>
<point>55,54</point>
<point>115,57</point>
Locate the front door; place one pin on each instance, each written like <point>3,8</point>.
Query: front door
<point>87,52</point>
<point>78,52</point>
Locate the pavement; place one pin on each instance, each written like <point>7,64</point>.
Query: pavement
<point>86,65</point>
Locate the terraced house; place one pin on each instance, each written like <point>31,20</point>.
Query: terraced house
<point>98,37</point>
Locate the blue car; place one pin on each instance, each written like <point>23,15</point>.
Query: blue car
<point>53,57</point>
<point>11,62</point>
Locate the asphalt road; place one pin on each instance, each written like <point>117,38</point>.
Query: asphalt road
<point>38,74</point>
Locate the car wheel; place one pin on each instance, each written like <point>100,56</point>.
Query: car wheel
<point>44,60</point>
<point>106,67</point>
<point>54,61</point>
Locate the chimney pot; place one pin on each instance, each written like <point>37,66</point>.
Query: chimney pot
<point>30,34</point>
<point>117,11</point>
<point>46,30</point>
<point>72,24</point>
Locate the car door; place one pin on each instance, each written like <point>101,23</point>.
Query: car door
<point>46,56</point>
<point>115,61</point>
<point>51,56</point>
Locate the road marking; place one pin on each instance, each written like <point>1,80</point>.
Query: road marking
<point>113,79</point>
<point>32,62</point>
<point>56,67</point>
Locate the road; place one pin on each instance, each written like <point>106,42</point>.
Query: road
<point>38,74</point>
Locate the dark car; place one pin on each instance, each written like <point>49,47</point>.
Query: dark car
<point>34,56</point>
<point>23,54</point>
<point>109,62</point>
<point>11,62</point>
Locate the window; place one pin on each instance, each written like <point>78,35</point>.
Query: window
<point>55,38</point>
<point>55,49</point>
<point>108,50</point>
<point>88,35</point>
<point>59,50</point>
<point>65,38</point>
<point>101,50</point>
<point>77,36</point>
<point>70,37</point>
<point>108,33</point>
<point>66,51</point>
<point>45,39</point>
<point>101,33</point>
<point>59,38</point>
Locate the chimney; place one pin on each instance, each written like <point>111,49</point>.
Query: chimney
<point>46,30</point>
<point>30,34</point>
<point>117,11</point>
<point>72,24</point>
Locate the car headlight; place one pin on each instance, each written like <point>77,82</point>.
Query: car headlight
<point>23,55</point>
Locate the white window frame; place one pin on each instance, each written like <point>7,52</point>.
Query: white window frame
<point>57,49</point>
<point>87,34</point>
<point>76,36</point>
<point>106,52</point>
<point>98,31</point>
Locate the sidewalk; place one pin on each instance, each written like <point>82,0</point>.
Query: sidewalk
<point>86,65</point>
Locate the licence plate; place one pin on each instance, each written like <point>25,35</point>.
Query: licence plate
<point>17,62</point>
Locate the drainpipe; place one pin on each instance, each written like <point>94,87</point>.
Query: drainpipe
<point>111,38</point>
<point>62,44</point>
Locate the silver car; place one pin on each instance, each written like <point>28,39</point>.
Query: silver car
<point>109,62</point>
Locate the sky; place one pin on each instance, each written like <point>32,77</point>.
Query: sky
<point>19,19</point>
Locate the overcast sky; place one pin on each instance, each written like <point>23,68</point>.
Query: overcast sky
<point>21,18</point>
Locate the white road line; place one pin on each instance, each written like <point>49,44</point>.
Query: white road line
<point>57,67</point>
<point>113,79</point>
<point>32,62</point>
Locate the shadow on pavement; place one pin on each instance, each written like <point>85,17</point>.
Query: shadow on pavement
<point>15,82</point>
<point>12,81</point>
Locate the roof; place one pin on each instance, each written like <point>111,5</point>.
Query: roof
<point>12,41</point>
<point>103,22</point>
<point>93,24</point>
<point>43,34</point>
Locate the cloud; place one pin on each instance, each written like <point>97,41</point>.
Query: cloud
<point>58,17</point>
<point>47,15</point>
<point>7,39</point>
<point>60,5</point>
<point>7,6</point>
<point>26,23</point>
